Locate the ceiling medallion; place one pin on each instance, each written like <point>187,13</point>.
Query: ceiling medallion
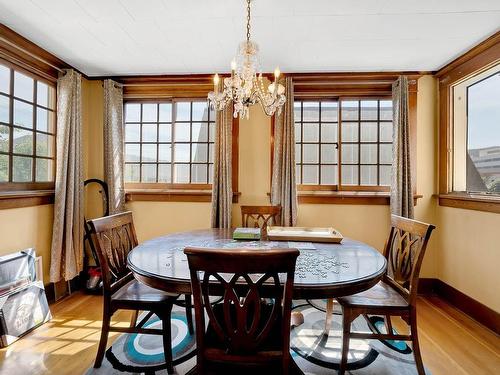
<point>246,86</point>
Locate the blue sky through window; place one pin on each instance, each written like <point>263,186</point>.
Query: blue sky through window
<point>484,113</point>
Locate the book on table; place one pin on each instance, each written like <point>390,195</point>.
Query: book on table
<point>246,234</point>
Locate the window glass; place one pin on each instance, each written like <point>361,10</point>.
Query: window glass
<point>483,136</point>
<point>160,150</point>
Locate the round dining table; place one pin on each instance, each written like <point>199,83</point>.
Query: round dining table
<point>323,270</point>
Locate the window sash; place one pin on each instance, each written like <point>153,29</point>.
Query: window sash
<point>172,163</point>
<point>460,130</point>
<point>33,182</point>
<point>339,186</point>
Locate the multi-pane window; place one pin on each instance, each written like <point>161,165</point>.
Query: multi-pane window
<point>362,157</point>
<point>27,128</point>
<point>169,142</point>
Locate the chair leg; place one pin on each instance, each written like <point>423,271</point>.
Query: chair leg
<point>286,365</point>
<point>346,330</point>
<point>415,344</point>
<point>106,320</point>
<point>189,313</point>
<point>167,337</point>
<point>329,316</point>
<point>133,319</point>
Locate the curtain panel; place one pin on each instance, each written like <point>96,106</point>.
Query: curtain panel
<point>222,188</point>
<point>113,145</point>
<point>284,185</point>
<point>401,183</point>
<point>66,260</point>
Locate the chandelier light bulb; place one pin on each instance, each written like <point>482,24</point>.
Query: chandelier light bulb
<point>216,79</point>
<point>277,73</point>
<point>233,65</point>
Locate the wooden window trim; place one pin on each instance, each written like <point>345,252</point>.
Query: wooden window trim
<point>477,202</point>
<point>360,86</point>
<point>479,58</point>
<point>22,55</point>
<point>26,198</point>
<point>26,55</point>
<point>373,198</point>
<point>175,88</point>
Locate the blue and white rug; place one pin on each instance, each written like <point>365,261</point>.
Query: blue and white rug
<point>313,352</point>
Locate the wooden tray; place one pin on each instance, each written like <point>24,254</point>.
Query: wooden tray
<point>304,234</point>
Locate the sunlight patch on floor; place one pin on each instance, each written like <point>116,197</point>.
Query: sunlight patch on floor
<point>73,348</point>
<point>77,322</point>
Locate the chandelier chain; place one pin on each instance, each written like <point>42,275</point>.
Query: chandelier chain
<point>248,20</point>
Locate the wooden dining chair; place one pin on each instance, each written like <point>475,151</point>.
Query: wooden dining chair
<point>396,294</point>
<point>251,326</point>
<point>260,216</point>
<point>114,237</point>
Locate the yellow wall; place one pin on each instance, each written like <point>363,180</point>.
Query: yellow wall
<point>427,166</point>
<point>21,228</point>
<point>93,161</point>
<point>366,223</point>
<point>470,253</point>
<point>463,251</point>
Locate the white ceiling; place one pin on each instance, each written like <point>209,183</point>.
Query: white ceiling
<point>122,37</point>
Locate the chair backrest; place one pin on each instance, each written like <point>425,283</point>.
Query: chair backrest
<point>260,216</point>
<point>239,275</point>
<point>404,251</point>
<point>113,237</point>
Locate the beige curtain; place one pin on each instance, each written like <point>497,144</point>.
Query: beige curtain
<point>222,188</point>
<point>401,184</point>
<point>113,145</point>
<point>66,260</point>
<point>284,186</point>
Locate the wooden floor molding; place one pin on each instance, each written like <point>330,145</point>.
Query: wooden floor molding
<point>476,310</point>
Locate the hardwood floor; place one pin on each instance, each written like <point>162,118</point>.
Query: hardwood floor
<point>452,343</point>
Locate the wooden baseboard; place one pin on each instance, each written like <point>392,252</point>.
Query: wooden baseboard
<point>55,292</point>
<point>476,310</point>
<point>426,286</point>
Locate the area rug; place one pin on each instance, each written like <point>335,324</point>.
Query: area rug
<point>313,352</point>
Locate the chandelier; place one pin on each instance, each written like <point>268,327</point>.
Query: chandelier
<point>246,86</point>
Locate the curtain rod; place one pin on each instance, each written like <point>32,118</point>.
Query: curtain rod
<point>31,54</point>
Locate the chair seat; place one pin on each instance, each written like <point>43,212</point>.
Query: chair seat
<point>382,295</point>
<point>135,292</point>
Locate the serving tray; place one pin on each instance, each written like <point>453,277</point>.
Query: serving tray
<point>330,235</point>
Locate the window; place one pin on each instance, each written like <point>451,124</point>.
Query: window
<point>362,158</point>
<point>476,134</point>
<point>169,142</point>
<point>27,130</point>
<point>469,133</point>
<point>483,135</point>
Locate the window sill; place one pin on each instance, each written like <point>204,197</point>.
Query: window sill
<point>347,197</point>
<point>171,195</point>
<point>471,202</point>
<point>27,198</point>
